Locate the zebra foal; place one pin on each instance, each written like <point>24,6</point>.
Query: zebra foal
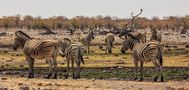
<point>73,53</point>
<point>155,36</point>
<point>86,41</point>
<point>109,40</point>
<point>37,49</point>
<point>145,52</point>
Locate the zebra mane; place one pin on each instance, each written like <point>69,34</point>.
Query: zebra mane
<point>133,37</point>
<point>22,34</point>
<point>67,40</point>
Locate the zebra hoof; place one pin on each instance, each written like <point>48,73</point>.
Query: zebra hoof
<point>155,79</point>
<point>55,76</point>
<point>78,77</point>
<point>141,79</point>
<point>65,76</point>
<point>74,77</point>
<point>30,76</point>
<point>48,76</point>
<point>135,79</point>
<point>162,80</point>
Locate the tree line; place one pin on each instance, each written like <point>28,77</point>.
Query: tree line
<point>99,22</point>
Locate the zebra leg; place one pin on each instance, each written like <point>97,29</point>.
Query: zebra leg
<point>88,49</point>
<point>78,70</point>
<point>136,69</point>
<point>31,66</point>
<point>106,49</point>
<point>50,62</point>
<point>67,68</point>
<point>55,69</point>
<point>157,69</point>
<point>110,51</point>
<point>162,79</point>
<point>55,65</point>
<point>73,75</point>
<point>141,70</point>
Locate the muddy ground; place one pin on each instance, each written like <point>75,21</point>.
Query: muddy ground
<point>109,78</point>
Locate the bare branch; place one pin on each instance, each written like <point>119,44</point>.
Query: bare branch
<point>133,18</point>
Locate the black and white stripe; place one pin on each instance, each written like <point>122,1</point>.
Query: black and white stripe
<point>37,49</point>
<point>140,36</point>
<point>144,52</point>
<point>73,53</point>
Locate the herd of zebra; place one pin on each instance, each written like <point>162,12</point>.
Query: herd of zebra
<point>142,51</point>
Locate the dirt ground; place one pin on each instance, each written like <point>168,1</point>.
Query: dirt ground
<point>16,83</point>
<point>176,77</point>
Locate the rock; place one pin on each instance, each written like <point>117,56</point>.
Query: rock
<point>9,60</point>
<point>24,87</point>
<point>62,63</point>
<point>93,79</point>
<point>3,88</point>
<point>3,78</point>
<point>21,65</point>
<point>19,84</point>
<point>39,84</point>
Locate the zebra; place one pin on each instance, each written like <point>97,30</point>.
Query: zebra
<point>155,36</point>
<point>109,40</point>
<point>37,49</point>
<point>138,35</point>
<point>145,52</point>
<point>86,41</point>
<point>72,52</point>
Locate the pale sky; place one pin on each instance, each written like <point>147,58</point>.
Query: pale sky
<point>71,8</point>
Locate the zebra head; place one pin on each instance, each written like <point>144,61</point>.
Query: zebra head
<point>20,39</point>
<point>154,31</point>
<point>91,34</point>
<point>124,47</point>
<point>129,42</point>
<point>63,45</point>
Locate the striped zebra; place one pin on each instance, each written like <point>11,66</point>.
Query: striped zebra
<point>145,52</point>
<point>155,36</point>
<point>86,41</point>
<point>138,35</point>
<point>73,53</point>
<point>109,40</point>
<point>37,49</point>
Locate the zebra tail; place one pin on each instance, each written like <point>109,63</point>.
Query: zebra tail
<point>81,56</point>
<point>160,56</point>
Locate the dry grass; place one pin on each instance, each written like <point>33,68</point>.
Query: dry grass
<point>98,58</point>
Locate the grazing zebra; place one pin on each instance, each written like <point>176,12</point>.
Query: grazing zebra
<point>155,36</point>
<point>145,52</point>
<point>73,53</point>
<point>37,49</point>
<point>109,43</point>
<point>138,35</point>
<point>86,41</point>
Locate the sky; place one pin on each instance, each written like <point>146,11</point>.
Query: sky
<point>71,8</point>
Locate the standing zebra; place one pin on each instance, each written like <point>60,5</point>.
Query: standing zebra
<point>145,52</point>
<point>138,35</point>
<point>86,41</point>
<point>37,49</point>
<point>155,36</point>
<point>109,40</point>
<point>73,53</point>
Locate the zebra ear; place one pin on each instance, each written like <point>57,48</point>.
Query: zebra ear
<point>22,34</point>
<point>67,40</point>
<point>18,33</point>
